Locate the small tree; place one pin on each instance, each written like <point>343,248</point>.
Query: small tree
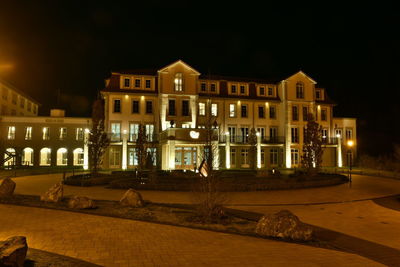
<point>98,140</point>
<point>253,148</point>
<point>141,149</point>
<point>312,146</point>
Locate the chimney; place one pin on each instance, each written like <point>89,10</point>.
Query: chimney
<point>57,113</point>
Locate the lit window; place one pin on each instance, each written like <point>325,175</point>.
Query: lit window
<point>261,130</point>
<point>79,134</point>
<point>11,133</point>
<point>299,90</point>
<point>62,156</point>
<point>46,133</point>
<point>214,109</point>
<point>63,133</point>
<point>202,109</point>
<point>45,156</point>
<point>294,153</point>
<point>28,133</point>
<point>115,131</point>
<point>178,81</point>
<point>232,110</point>
<point>133,131</point>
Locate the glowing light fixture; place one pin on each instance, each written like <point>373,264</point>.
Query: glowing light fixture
<point>350,143</point>
<point>194,134</point>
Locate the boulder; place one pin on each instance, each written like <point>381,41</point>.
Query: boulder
<point>54,194</point>
<point>13,251</point>
<point>78,202</point>
<point>132,198</point>
<point>7,187</point>
<point>284,224</point>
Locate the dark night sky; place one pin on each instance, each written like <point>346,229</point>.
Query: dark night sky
<point>71,46</point>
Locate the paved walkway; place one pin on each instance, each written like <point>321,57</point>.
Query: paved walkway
<point>118,242</point>
<point>363,187</point>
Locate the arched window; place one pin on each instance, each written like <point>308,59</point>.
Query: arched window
<point>62,156</point>
<point>178,81</point>
<point>45,156</point>
<point>78,157</point>
<point>299,90</point>
<point>27,156</point>
<point>9,157</point>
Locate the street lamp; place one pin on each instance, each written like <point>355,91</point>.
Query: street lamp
<point>350,144</point>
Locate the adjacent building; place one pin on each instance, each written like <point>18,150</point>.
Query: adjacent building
<point>176,103</point>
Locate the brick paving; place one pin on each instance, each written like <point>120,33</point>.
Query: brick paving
<point>118,242</point>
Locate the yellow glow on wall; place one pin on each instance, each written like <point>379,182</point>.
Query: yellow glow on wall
<point>267,104</point>
<point>142,97</point>
<point>126,96</point>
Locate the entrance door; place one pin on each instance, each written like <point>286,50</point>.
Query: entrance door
<point>185,158</point>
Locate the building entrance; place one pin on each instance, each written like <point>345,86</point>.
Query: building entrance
<point>185,158</point>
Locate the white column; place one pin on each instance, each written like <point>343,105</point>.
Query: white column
<point>258,150</point>
<point>339,151</point>
<point>86,150</point>
<point>215,151</point>
<point>171,155</point>
<point>228,150</point>
<point>124,149</point>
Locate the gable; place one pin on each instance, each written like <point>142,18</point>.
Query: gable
<point>300,76</point>
<point>179,64</point>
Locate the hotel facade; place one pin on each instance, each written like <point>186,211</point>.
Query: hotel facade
<point>175,104</point>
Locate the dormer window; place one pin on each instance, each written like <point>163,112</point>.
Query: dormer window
<point>213,87</point>
<point>262,90</point>
<point>203,87</point>
<point>148,84</point>
<point>270,91</point>
<point>137,83</point>
<point>299,90</point>
<point>127,82</point>
<point>178,82</point>
<point>318,94</point>
<point>233,89</point>
<point>242,89</point>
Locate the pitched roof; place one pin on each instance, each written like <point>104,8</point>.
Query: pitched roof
<point>12,87</point>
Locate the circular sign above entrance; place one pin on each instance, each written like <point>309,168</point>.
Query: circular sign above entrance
<point>194,134</point>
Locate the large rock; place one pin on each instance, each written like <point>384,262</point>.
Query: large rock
<point>54,194</point>
<point>132,198</point>
<point>7,187</point>
<point>284,224</point>
<point>78,202</point>
<point>13,251</point>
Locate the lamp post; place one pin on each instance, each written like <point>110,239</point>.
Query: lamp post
<point>350,144</point>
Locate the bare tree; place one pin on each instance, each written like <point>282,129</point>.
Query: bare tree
<point>312,146</point>
<point>98,140</point>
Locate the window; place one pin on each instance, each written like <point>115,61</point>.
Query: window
<point>29,106</point>
<point>22,102</point>
<point>148,84</point>
<point>261,112</point>
<point>137,83</point>
<point>261,130</point>
<point>115,131</point>
<point>186,125</point>
<point>233,89</point>
<point>14,99</point>
<point>270,91</point>
<point>214,109</point>
<point>213,87</point>
<point>294,153</point>
<point>244,137</point>
<point>262,90</point>
<point>324,133</point>
<point>232,133</point>
<point>202,109</point>
<point>171,107</point>
<point>117,105</point>
<point>203,87</point>
<point>133,131</point>
<point>349,133</point>
<point>27,156</point>
<point>244,111</point>
<point>323,114</point>
<point>132,157</point>
<point>178,81</point>
<point>245,157</point>
<point>5,93</point>
<point>127,82</point>
<point>63,133</point>
<point>262,157</point>
<point>62,157</point>
<point>185,108</point>
<point>338,132</point>
<point>232,110</point>
<point>149,107</point>
<point>149,131</point>
<point>305,113</point>
<point>152,155</point>
<point>242,90</point>
<point>115,156</point>
<point>233,157</point>
<point>78,157</point>
<point>273,133</point>
<point>318,94</point>
<point>11,133</point>
<point>273,156</point>
<point>295,135</point>
<point>28,133</point>
<point>79,134</point>
<point>45,156</point>
<point>299,90</point>
<point>295,113</point>
<point>135,107</point>
<point>272,112</point>
<point>46,133</point>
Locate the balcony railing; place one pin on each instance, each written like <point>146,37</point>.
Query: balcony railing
<point>117,137</point>
<point>329,140</point>
<point>273,140</point>
<point>240,139</point>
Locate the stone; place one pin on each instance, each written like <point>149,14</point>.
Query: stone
<point>7,187</point>
<point>79,202</point>
<point>284,224</point>
<point>132,198</point>
<point>54,194</point>
<point>13,251</point>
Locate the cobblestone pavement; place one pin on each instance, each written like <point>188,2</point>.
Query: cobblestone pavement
<point>363,187</point>
<point>118,242</point>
